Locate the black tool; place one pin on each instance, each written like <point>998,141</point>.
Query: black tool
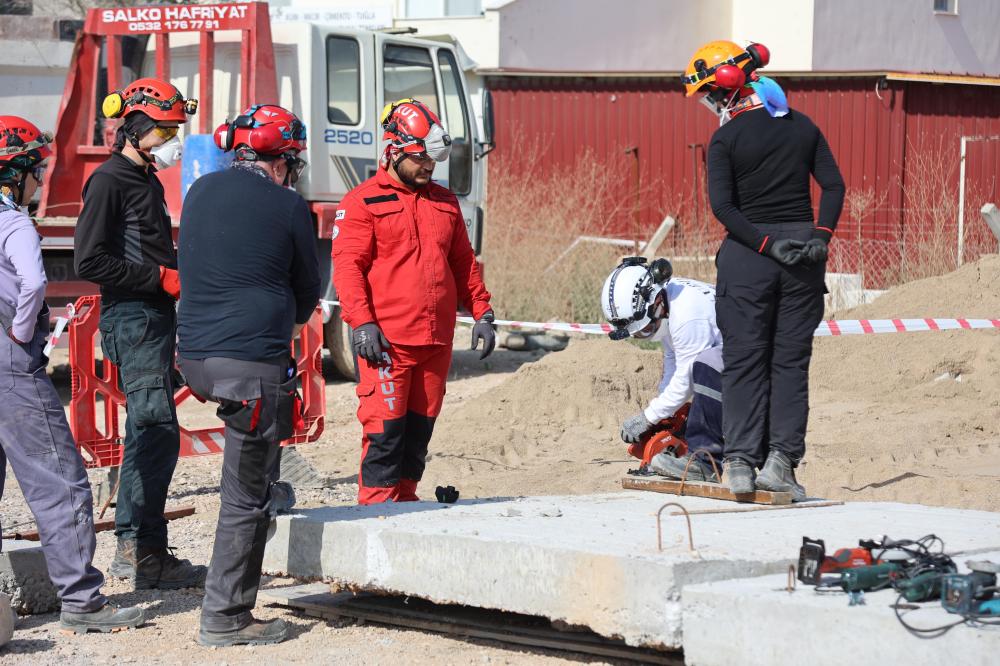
<point>446,495</point>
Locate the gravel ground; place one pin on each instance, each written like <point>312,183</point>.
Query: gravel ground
<point>169,636</point>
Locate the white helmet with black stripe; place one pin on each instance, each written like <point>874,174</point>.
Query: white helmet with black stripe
<point>634,297</point>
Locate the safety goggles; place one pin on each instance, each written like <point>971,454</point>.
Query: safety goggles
<point>190,105</point>
<point>166,133</point>
<point>296,165</point>
<point>38,172</point>
<point>42,139</point>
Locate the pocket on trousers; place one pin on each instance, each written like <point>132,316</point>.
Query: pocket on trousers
<point>284,415</point>
<point>148,400</point>
<point>108,342</point>
<point>240,402</point>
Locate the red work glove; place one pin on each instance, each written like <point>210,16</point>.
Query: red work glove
<point>170,281</point>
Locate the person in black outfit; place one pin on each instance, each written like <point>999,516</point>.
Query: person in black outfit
<point>771,266</point>
<point>124,244</point>
<point>250,271</point>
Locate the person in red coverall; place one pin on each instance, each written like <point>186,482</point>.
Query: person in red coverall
<point>403,263</point>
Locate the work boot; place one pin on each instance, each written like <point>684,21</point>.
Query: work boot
<point>108,618</point>
<point>157,568</point>
<point>778,476</point>
<point>258,632</point>
<point>123,566</point>
<point>672,467</point>
<point>739,476</point>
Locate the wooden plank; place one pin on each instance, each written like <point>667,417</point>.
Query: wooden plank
<point>317,600</point>
<point>108,523</point>
<point>702,489</point>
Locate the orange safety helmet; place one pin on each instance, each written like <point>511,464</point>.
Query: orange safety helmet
<point>22,147</point>
<point>159,100</point>
<point>723,64</point>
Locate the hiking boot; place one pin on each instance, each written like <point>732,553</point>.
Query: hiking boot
<point>157,568</point>
<point>672,467</point>
<point>108,618</point>
<point>739,476</point>
<point>258,632</point>
<point>123,566</point>
<point>778,476</point>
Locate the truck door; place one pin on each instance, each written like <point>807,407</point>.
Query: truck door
<point>346,137</point>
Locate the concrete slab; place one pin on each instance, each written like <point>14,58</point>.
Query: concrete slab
<point>587,560</point>
<point>25,577</point>
<point>764,625</point>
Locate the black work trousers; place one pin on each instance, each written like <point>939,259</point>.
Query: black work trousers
<point>767,313</point>
<point>256,402</point>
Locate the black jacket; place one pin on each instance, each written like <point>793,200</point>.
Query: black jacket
<point>759,171</point>
<point>123,232</point>
<point>249,267</point>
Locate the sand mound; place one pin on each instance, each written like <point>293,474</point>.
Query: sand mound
<point>555,420</point>
<point>911,417</point>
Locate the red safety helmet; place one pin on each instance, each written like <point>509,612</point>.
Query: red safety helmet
<point>158,99</point>
<point>22,147</point>
<point>263,129</point>
<point>413,129</point>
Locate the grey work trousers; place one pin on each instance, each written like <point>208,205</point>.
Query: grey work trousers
<point>256,400</point>
<point>36,439</point>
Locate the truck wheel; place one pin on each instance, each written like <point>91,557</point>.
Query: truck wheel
<point>338,340</point>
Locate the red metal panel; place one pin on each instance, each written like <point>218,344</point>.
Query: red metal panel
<point>881,136</point>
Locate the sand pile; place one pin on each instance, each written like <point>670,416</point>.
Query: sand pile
<point>552,426</point>
<point>912,417</point>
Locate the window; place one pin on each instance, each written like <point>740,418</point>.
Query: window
<point>456,115</point>
<point>946,7</point>
<point>343,80</point>
<point>409,72</point>
<point>424,9</point>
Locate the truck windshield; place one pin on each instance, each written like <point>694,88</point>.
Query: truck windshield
<point>409,72</point>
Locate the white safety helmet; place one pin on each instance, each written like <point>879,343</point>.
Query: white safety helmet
<point>634,297</point>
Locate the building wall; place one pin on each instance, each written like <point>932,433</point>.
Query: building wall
<point>623,36</point>
<point>906,35</point>
<point>786,28</point>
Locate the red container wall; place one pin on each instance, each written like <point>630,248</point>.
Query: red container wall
<point>897,142</point>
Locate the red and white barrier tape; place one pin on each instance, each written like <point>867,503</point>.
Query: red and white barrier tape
<point>61,323</point>
<point>833,327</point>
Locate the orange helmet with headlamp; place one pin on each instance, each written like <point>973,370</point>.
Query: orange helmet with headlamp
<point>723,64</point>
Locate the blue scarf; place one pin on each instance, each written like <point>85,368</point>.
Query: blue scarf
<point>771,95</point>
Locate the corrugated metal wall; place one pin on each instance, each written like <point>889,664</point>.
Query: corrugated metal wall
<point>900,143</point>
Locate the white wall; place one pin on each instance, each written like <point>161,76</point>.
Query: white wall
<point>624,35</point>
<point>906,35</point>
<point>783,26</point>
<point>32,79</point>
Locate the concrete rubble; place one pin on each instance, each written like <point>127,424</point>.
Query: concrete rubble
<point>584,560</point>
<point>25,578</point>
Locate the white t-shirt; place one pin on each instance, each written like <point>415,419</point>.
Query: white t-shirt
<point>689,330</point>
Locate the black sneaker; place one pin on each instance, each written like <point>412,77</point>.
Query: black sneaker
<point>258,632</point>
<point>157,568</point>
<point>107,619</point>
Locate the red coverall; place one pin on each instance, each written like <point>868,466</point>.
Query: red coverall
<point>402,259</point>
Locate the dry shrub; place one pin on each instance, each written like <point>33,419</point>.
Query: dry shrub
<point>540,265</point>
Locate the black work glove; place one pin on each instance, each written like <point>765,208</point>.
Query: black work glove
<point>787,251</point>
<point>485,331</point>
<point>816,251</point>
<point>370,343</point>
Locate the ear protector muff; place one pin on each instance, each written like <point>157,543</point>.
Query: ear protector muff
<point>730,77</point>
<point>760,55</point>
<point>113,105</point>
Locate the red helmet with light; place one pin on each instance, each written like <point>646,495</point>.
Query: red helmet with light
<point>413,129</point>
